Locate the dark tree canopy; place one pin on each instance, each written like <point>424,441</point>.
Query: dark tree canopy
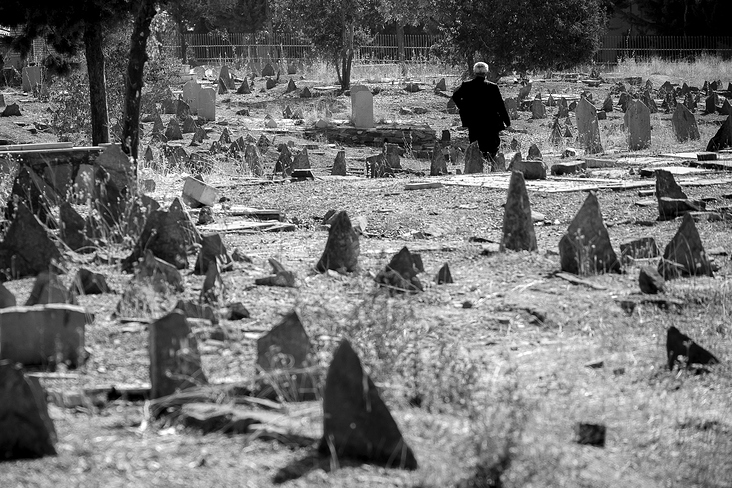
<point>676,17</point>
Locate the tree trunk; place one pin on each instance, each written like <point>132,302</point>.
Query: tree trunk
<point>183,45</point>
<point>93,41</point>
<point>400,48</point>
<point>134,81</point>
<point>347,58</point>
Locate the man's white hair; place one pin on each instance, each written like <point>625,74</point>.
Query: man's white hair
<point>480,68</point>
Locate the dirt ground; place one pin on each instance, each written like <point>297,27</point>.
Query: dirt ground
<point>505,361</point>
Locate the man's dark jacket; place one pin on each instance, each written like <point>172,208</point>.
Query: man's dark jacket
<point>481,105</point>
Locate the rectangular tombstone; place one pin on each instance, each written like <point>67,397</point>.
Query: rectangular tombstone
<point>190,95</point>
<point>206,103</point>
<point>362,107</point>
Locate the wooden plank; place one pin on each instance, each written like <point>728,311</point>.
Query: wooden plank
<point>260,213</point>
<point>36,146</point>
<point>423,185</point>
<point>247,226</point>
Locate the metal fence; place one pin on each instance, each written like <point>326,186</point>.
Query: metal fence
<point>259,47</point>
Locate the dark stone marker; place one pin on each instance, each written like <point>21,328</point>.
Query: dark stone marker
<point>650,281</point>
<point>400,275</point>
<point>438,165</point>
<point>286,346</point>
<point>473,159</point>
<point>7,299</point>
<point>518,227</point>
<point>26,249</point>
<point>723,138</point>
<point>26,430</point>
<point>339,164</point>
<point>280,276</point>
<point>444,276</point>
<point>678,344</point>
<point>87,282</point>
<point>641,248</point>
<point>684,255</point>
<point>342,248</point>
<point>237,311</point>
<point>193,310</point>
<point>48,288</point>
<point>586,248</point>
<point>175,363</point>
<point>212,250</point>
<point>356,422</point>
<point>591,434</point>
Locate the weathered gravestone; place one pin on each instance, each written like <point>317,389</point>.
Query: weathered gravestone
<point>339,164</point>
<point>195,310</point>
<point>532,170</point>
<point>585,248</point>
<point>538,110</point>
<point>212,251</point>
<point>512,108</point>
<point>279,277</point>
<point>637,122</point>
<point>362,107</point>
<point>562,108</point>
<point>588,127</point>
<point>400,275</point>
<point>649,102</point>
<point>12,110</point>
<point>301,160</point>
<point>284,163</point>
<point>206,104</point>
<point>43,335</point>
<point>48,288</point>
<point>710,103</point>
<point>607,105</point>
<point>7,299</point>
<point>252,160</point>
<point>291,87</point>
<point>87,282</point>
<point>444,276</point>
<point>356,422</point>
<point>189,125</point>
<point>473,159</point>
<point>162,275</point>
<point>244,88</point>
<point>27,249</point>
<point>650,280</point>
<point>684,124</point>
<point>221,90</point>
<point>438,165</point>
<point>26,429</point>
<point>672,201</point>
<point>213,286</point>
<point>286,346</point>
<point>684,255</point>
<point>624,101</point>
<point>31,78</point>
<point>342,248</point>
<point>72,229</point>
<point>173,132</point>
<point>680,345</point>
<point>723,138</point>
<point>639,248</point>
<point>518,227</point>
<point>122,172</point>
<point>190,95</point>
<point>555,138</point>
<point>175,363</point>
<point>268,70</point>
<point>227,77</point>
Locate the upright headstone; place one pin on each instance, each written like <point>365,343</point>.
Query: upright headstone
<point>562,107</point>
<point>362,107</point>
<point>723,138</point>
<point>173,132</point>
<point>684,255</point>
<point>212,251</point>
<point>226,76</point>
<point>588,127</point>
<point>518,226</point>
<point>512,108</point>
<point>206,104</point>
<point>473,159</point>
<point>175,363</point>
<point>253,161</point>
<point>31,78</point>
<point>684,124</point>
<point>26,249</point>
<point>538,110</point>
<point>339,164</point>
<point>585,248</point>
<point>48,288</point>
<point>649,102</point>
<point>342,248</point>
<point>286,346</point>
<point>400,275</point>
<point>356,422</point>
<point>438,165</point>
<point>607,105</point>
<point>638,125</point>
<point>190,95</point>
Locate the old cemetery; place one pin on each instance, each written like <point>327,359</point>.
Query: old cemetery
<point>300,286</point>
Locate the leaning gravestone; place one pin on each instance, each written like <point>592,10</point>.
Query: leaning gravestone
<point>206,104</point>
<point>684,124</point>
<point>585,248</point>
<point>723,138</point>
<point>362,107</point>
<point>175,363</point>
<point>356,422</point>
<point>649,102</point>
<point>342,248</point>
<point>27,249</point>
<point>588,127</point>
<point>638,124</point>
<point>26,429</point>
<point>518,227</point>
<point>684,255</point>
<point>473,159</point>
<point>672,201</point>
<point>286,346</point>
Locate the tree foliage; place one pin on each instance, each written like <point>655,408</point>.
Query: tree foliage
<point>677,17</point>
<point>521,35</point>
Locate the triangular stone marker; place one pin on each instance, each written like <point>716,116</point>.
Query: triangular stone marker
<point>339,164</point>
<point>175,363</point>
<point>7,299</point>
<point>26,429</point>
<point>443,275</point>
<point>672,201</point>
<point>400,275</point>
<point>518,226</point>
<point>684,255</point>
<point>48,288</point>
<point>723,138</point>
<point>638,124</point>
<point>342,248</point>
<point>356,422</point>
<point>212,250</point>
<point>684,124</point>
<point>679,344</point>
<point>473,159</point>
<point>585,248</point>
<point>26,249</point>
<point>588,127</point>
<point>286,346</point>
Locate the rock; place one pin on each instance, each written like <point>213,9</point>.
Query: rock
<point>43,335</point>
<point>205,216</point>
<point>650,281</point>
<point>280,276</point>
<point>12,110</point>
<point>524,91</point>
<point>637,123</point>
<point>167,234</point>
<point>590,434</point>
<point>642,248</point>
<point>27,249</point>
<point>534,153</point>
<point>339,164</point>
<point>356,422</point>
<point>585,248</point>
<point>268,70</point>
<point>193,310</point>
<point>7,299</point>
<point>532,170</point>
<point>511,107</point>
<point>236,311</point>
<point>569,167</point>
<point>400,275</point>
<point>473,159</point>
<point>87,282</point>
<point>291,87</point>
<point>684,255</point>
<point>672,201</point>
<point>441,85</point>
<point>26,429</point>
<point>48,288</point>
<point>244,88</point>
<point>723,138</point>
<point>538,110</point>
<point>286,346</point>
<point>438,165</point>
<point>518,226</point>
<point>270,83</point>
<point>212,250</point>
<point>342,248</point>
<point>607,105</point>
<point>173,132</point>
<point>161,274</point>
<point>443,275</point>
<point>196,193</point>
<point>175,363</point>
<point>588,128</point>
<point>684,124</point>
<point>680,345</point>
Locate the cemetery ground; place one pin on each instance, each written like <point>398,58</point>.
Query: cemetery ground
<point>488,376</point>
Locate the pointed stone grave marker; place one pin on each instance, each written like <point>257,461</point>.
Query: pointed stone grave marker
<point>212,250</point>
<point>538,110</point>
<point>518,226</point>
<point>679,344</point>
<point>302,160</point>
<point>286,346</point>
<point>672,201</point>
<point>291,87</point>
<point>588,127</point>
<point>87,282</point>
<point>7,299</point>
<point>175,363</point>
<point>649,102</point>
<point>244,88</point>
<point>562,107</point>
<point>444,276</point>
<point>339,164</point>
<point>284,163</point>
<point>48,288</point>
<point>473,159</point>
<point>438,165</point>
<point>27,249</point>
<point>189,125</point>
<point>400,275</point>
<point>555,138</point>
<point>585,248</point>
<point>26,429</point>
<point>607,105</point>
<point>637,122</point>
<point>252,160</point>
<point>356,422</point>
<point>723,138</point>
<point>684,124</point>
<point>172,132</point>
<point>684,255</point>
<point>342,248</point>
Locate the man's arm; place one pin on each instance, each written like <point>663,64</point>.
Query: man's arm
<point>458,96</point>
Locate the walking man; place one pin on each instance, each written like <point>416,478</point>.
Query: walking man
<point>482,111</point>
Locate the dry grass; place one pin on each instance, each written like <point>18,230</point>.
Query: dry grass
<point>703,68</point>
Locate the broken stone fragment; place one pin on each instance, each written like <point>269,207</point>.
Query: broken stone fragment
<point>161,274</point>
<point>87,282</point>
<point>194,310</point>
<point>650,280</point>
<point>237,311</point>
<point>280,276</point>
<point>400,275</point>
<point>212,250</point>
<point>684,255</point>
<point>679,345</point>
